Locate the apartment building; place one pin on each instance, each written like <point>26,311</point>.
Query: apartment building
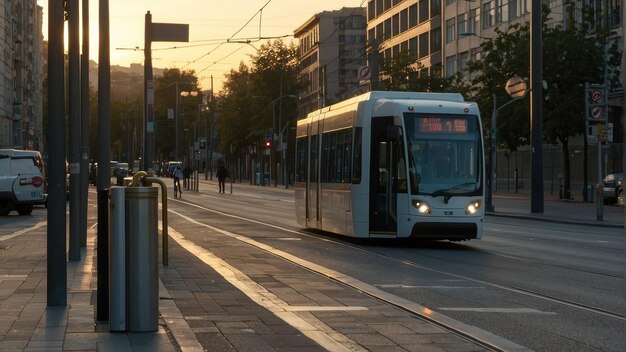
<point>331,50</point>
<point>21,107</point>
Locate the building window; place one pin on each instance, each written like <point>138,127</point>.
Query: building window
<point>423,45</point>
<point>435,8</point>
<point>488,14</point>
<point>371,12</point>
<point>412,16</point>
<point>424,14</point>
<point>395,25</point>
<point>379,7</point>
<point>387,5</point>
<point>413,46</point>
<point>450,65</point>
<point>614,13</point>
<point>450,2</point>
<point>502,11</point>
<point>518,8</point>
<point>404,20</point>
<point>473,20</point>
<point>463,59</point>
<point>435,40</point>
<point>450,31</point>
<point>461,23</point>
<point>387,30</point>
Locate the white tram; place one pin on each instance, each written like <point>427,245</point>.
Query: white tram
<point>392,165</point>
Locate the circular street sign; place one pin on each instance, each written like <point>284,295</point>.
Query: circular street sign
<point>596,113</point>
<point>596,97</point>
<point>364,72</point>
<point>516,87</point>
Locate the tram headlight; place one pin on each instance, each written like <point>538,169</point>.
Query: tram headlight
<point>473,207</point>
<point>421,206</point>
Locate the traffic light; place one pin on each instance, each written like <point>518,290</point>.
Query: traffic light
<point>267,144</point>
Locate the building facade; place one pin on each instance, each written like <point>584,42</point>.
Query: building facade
<point>446,34</point>
<point>331,50</point>
<point>468,23</point>
<point>21,104</point>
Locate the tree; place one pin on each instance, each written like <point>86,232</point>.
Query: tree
<point>243,121</point>
<point>572,56</point>
<point>236,123</point>
<point>406,73</point>
<point>165,99</point>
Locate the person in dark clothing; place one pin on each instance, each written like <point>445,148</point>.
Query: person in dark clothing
<point>187,174</point>
<point>222,173</point>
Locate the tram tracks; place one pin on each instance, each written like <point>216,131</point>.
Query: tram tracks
<point>466,331</point>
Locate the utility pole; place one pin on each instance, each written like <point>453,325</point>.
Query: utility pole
<point>104,160</point>
<point>84,123</point>
<point>56,286</point>
<point>536,107</point>
<point>75,130</point>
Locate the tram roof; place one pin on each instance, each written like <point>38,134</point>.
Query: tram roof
<point>390,96</point>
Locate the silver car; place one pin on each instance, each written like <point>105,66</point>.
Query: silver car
<point>21,181</point>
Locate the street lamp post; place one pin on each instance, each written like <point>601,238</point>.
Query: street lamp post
<point>280,138</point>
<point>493,138</point>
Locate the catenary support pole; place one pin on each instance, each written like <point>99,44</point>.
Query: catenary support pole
<point>104,160</point>
<point>56,286</point>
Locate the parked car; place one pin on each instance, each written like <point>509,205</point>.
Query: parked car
<point>613,187</point>
<point>22,181</point>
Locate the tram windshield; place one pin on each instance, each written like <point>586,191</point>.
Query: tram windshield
<point>445,154</point>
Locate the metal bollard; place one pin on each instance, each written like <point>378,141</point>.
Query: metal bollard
<point>142,279</point>
<point>599,202</point>
<point>117,260</point>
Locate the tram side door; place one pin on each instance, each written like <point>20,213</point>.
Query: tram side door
<point>313,188</point>
<point>383,199</point>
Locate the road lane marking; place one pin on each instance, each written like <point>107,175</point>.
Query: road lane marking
<point>311,327</point>
<point>423,312</point>
<point>23,231</point>
<point>427,287</point>
<point>495,310</point>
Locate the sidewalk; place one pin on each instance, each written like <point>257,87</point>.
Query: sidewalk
<point>197,303</point>
<point>574,212</point>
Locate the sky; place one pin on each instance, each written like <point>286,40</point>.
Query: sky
<point>211,23</point>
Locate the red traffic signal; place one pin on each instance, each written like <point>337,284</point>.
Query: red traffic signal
<point>267,144</point>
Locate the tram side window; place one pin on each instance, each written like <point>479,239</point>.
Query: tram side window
<point>314,162</point>
<point>356,156</point>
<point>336,157</point>
<point>301,157</point>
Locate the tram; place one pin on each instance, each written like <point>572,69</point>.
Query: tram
<point>392,165</point>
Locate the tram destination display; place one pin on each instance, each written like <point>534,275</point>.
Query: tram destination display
<point>442,125</point>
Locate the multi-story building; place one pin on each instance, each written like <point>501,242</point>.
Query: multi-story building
<point>468,23</point>
<point>406,25</point>
<point>21,115</point>
<point>331,50</point>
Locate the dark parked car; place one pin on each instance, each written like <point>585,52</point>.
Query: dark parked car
<point>613,186</point>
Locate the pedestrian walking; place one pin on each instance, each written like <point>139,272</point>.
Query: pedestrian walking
<point>187,174</point>
<point>178,175</point>
<point>222,173</point>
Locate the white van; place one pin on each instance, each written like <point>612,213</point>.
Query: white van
<point>22,181</point>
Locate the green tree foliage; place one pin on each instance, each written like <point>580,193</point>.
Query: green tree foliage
<point>235,122</point>
<point>164,99</point>
<point>572,55</point>
<point>405,73</point>
<point>243,120</point>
